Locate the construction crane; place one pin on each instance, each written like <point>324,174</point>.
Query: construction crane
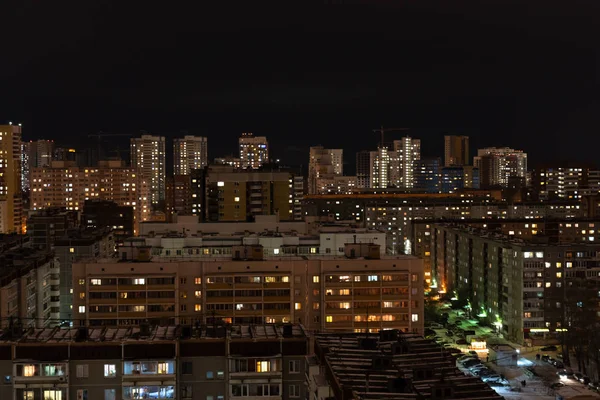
<point>383,130</point>
<point>100,135</point>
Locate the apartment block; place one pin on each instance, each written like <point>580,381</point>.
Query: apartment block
<point>456,151</point>
<point>179,196</point>
<point>395,213</point>
<point>64,184</point>
<point>498,164</point>
<point>99,214</point>
<point>360,291</point>
<point>11,206</point>
<point>454,179</point>
<point>154,362</point>
<point>525,287</point>
<point>189,153</point>
<point>323,166</point>
<point>254,151</point>
<point>47,225</point>
<point>240,195</point>
<point>29,286</point>
<point>148,159</point>
<point>427,175</point>
<point>565,182</point>
<point>73,245</point>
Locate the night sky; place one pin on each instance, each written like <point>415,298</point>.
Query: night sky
<point>521,75</point>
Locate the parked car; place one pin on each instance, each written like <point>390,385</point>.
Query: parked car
<point>558,364</point>
<point>470,363</point>
<point>557,385</point>
<point>545,357</point>
<point>550,360</point>
<point>549,348</point>
<point>577,376</point>
<point>483,372</point>
<point>461,341</point>
<point>476,367</point>
<point>594,385</point>
<point>585,379</point>
<point>473,353</point>
<point>491,378</point>
<point>564,373</point>
<point>449,333</point>
<point>435,325</point>
<point>454,350</point>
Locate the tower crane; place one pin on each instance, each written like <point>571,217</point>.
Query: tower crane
<point>383,130</point>
<point>100,135</point>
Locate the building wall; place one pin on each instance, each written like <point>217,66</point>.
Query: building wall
<point>189,153</point>
<point>10,179</point>
<point>148,157</point>
<point>237,290</point>
<point>69,186</point>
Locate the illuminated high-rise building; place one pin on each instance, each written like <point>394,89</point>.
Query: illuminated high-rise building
<point>25,165</point>
<point>323,166</point>
<point>499,164</point>
<point>189,152</point>
<point>11,206</point>
<point>148,156</point>
<point>254,150</point>
<point>65,185</point>
<point>395,168</point>
<point>408,152</point>
<point>456,151</point>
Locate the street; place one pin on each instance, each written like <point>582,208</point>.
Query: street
<point>540,377</point>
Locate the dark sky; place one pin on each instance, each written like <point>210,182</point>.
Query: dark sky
<point>523,74</point>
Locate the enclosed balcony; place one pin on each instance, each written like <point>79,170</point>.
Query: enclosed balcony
<point>51,372</point>
<point>148,392</point>
<point>149,369</point>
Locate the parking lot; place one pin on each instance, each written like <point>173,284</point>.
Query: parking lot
<point>535,374</point>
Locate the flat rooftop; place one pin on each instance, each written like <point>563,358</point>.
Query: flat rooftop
<point>394,365</point>
<point>156,333</point>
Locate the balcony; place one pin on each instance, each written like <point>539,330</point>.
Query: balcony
<point>148,392</point>
<point>43,373</point>
<point>149,370</point>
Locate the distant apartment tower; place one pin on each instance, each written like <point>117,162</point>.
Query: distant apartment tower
<point>565,182</point>
<point>231,194</point>
<point>63,184</point>
<point>148,156</point>
<point>427,175</point>
<point>323,165</point>
<point>29,286</point>
<point>498,164</point>
<point>456,178</point>
<point>363,170</point>
<point>79,244</point>
<point>456,150</point>
<point>11,206</point>
<point>179,196</point>
<point>254,150</point>
<point>41,152</point>
<point>98,214</point>
<point>395,168</point>
<point>25,165</point>
<point>408,152</point>
<point>189,152</point>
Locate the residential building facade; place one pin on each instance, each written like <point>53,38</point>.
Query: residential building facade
<point>148,158</point>
<point>456,151</point>
<point>189,153</point>
<point>254,151</point>
<point>11,203</point>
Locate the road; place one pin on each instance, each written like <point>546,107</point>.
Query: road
<point>537,387</point>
